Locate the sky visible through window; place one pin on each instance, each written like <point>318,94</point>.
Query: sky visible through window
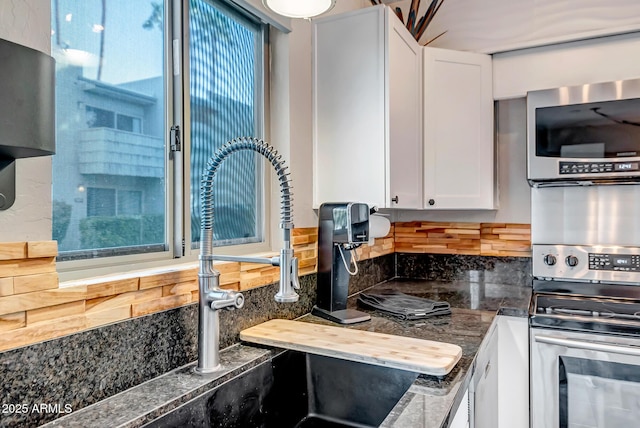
<point>125,39</point>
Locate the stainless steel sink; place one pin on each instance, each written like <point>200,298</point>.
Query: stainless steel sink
<point>297,390</point>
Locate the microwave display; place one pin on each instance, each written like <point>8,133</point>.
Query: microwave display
<point>596,167</point>
<point>597,130</point>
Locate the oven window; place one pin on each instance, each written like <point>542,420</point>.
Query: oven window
<point>608,129</point>
<point>598,394</point>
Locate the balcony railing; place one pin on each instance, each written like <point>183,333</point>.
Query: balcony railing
<point>112,152</point>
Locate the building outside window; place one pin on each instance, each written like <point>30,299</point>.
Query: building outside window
<point>112,187</point>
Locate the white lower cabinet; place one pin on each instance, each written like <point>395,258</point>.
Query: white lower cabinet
<point>461,418</point>
<point>499,389</point>
<point>483,390</point>
<point>513,372</point>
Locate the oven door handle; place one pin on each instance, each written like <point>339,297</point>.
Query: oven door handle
<point>591,346</point>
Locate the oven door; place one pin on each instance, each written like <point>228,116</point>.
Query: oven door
<point>584,380</point>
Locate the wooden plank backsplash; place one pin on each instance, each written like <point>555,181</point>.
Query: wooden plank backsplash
<point>478,239</point>
<point>35,307</point>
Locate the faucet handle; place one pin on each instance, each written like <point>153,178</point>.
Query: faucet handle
<point>295,282</point>
<point>226,299</point>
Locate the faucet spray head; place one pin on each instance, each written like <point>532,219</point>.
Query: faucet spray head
<point>288,277</point>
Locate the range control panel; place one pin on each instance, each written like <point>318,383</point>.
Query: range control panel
<point>587,263</point>
<point>614,262</point>
<point>568,168</point>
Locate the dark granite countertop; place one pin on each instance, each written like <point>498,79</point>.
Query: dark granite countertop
<point>474,305</point>
<point>427,403</point>
<point>143,403</point>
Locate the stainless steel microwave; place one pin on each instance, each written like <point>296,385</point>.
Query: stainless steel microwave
<point>588,134</point>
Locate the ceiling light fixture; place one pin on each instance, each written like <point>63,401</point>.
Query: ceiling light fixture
<point>298,8</point>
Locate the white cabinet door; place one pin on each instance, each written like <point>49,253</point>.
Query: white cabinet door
<point>499,389</point>
<point>405,115</point>
<point>458,130</point>
<point>366,110</point>
<point>513,377</point>
<point>485,385</point>
<point>349,108</point>
<point>461,418</point>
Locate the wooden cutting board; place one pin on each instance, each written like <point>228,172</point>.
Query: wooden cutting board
<point>406,353</point>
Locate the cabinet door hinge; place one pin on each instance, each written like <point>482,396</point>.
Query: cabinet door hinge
<point>174,137</point>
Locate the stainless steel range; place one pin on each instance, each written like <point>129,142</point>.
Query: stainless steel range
<point>584,317</point>
<point>585,336</point>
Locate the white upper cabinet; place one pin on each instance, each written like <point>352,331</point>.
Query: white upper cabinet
<point>458,130</point>
<point>367,110</point>
<point>397,125</point>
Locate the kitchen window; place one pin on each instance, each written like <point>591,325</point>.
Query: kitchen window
<point>115,191</point>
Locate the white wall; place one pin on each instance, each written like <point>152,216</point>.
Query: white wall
<point>299,123</point>
<point>605,59</point>
<point>28,22</point>
<point>300,113</point>
<point>501,25</point>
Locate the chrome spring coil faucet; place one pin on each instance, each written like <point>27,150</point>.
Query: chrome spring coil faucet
<point>212,297</point>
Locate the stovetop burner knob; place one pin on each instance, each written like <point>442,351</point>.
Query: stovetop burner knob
<point>549,260</point>
<point>572,261</point>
